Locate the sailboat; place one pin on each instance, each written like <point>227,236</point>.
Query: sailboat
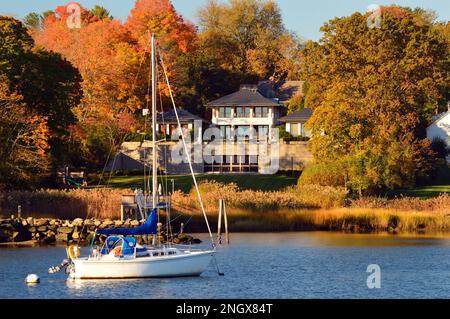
<point>121,256</point>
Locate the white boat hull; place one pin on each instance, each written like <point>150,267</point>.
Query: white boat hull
<point>192,264</point>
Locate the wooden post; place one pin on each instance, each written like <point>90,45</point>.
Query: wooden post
<point>122,215</point>
<point>219,222</point>
<point>181,228</point>
<point>227,238</point>
<point>19,211</point>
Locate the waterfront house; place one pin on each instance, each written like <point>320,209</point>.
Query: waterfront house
<point>167,121</point>
<point>255,108</point>
<point>440,128</point>
<point>245,109</point>
<point>295,122</point>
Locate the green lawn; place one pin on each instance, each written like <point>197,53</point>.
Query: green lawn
<point>422,192</point>
<point>185,182</point>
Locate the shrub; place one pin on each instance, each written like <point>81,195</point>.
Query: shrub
<point>325,174</point>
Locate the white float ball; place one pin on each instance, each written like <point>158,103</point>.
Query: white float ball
<point>32,279</point>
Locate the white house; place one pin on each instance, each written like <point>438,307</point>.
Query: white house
<point>295,122</point>
<point>441,128</point>
<point>245,109</point>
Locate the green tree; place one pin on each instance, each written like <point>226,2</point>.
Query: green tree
<point>23,140</point>
<point>33,21</point>
<point>248,37</point>
<point>100,12</point>
<point>374,91</point>
<point>49,86</point>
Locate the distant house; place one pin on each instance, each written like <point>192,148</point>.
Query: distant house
<point>441,128</point>
<point>245,109</point>
<point>295,122</point>
<point>167,121</point>
<point>283,91</point>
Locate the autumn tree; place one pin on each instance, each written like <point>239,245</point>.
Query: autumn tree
<point>23,138</point>
<point>374,91</point>
<point>48,84</point>
<point>248,36</point>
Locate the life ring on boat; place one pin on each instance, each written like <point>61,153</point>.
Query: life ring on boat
<point>74,251</point>
<point>118,251</point>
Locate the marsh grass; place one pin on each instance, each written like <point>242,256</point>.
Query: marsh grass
<point>63,204</point>
<point>294,209</point>
<point>336,219</point>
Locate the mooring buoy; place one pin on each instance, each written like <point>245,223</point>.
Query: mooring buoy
<point>32,279</point>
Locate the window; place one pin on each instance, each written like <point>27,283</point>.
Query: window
<point>225,131</point>
<point>239,111</point>
<point>225,112</point>
<point>243,131</point>
<point>243,111</point>
<point>221,112</point>
<point>261,111</point>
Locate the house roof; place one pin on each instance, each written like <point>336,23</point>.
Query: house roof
<point>170,118</point>
<point>246,96</point>
<point>301,116</point>
<point>283,90</point>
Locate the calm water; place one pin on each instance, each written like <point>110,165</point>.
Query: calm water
<point>286,265</point>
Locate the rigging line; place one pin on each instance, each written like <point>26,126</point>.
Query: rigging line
<point>165,178</point>
<point>104,167</point>
<point>188,154</point>
<point>147,98</point>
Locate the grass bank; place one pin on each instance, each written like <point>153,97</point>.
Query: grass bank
<point>184,183</point>
<point>354,220</point>
<point>306,207</point>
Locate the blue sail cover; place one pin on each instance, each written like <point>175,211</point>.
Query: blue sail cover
<point>148,228</point>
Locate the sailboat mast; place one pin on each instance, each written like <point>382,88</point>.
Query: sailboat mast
<point>154,166</point>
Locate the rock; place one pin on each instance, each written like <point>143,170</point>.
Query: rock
<point>65,230</point>
<point>24,222</point>
<point>196,241</point>
<point>32,229</point>
<point>53,228</point>
<point>97,223</point>
<point>30,220</point>
<point>78,222</point>
<point>89,237</point>
<point>106,224</point>
<point>49,239</point>
<point>134,223</point>
<point>40,222</point>
<point>61,237</point>
<point>118,223</point>
<point>89,222</point>
<point>75,235</point>
<point>50,233</point>
<point>42,229</point>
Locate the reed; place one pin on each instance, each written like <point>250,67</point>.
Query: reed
<point>64,204</point>
<point>308,207</point>
<point>307,196</point>
<point>440,203</point>
<point>337,219</point>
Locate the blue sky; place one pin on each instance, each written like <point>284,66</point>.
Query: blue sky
<point>302,16</point>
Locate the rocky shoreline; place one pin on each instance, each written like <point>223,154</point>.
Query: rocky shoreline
<point>46,231</point>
